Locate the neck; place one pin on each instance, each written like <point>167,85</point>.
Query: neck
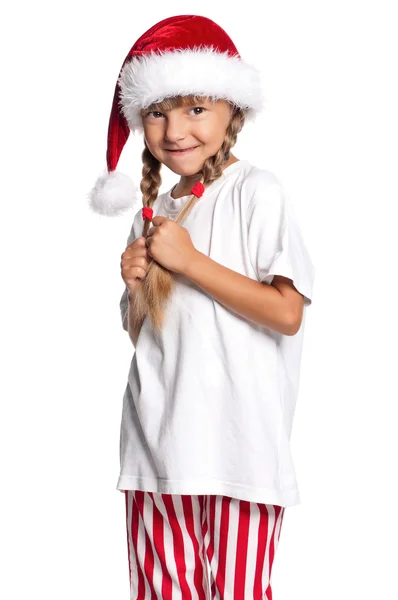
<point>186,183</point>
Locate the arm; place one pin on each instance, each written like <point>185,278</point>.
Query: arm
<point>278,307</point>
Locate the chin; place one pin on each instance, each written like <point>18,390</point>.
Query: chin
<point>184,170</point>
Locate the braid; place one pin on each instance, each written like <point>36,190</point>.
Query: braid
<point>153,292</point>
<point>150,182</point>
<point>212,167</point>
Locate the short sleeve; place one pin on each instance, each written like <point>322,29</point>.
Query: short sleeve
<point>275,241</point>
<point>134,233</point>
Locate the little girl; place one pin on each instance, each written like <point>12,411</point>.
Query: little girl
<point>217,280</point>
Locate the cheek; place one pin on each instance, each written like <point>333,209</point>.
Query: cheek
<point>212,133</point>
<point>152,146</point>
<point>153,135</point>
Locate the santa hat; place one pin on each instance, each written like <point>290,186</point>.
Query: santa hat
<point>179,56</point>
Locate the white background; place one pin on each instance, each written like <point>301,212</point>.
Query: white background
<point>329,132</point>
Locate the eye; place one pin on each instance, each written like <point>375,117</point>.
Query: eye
<point>201,108</point>
<point>154,112</point>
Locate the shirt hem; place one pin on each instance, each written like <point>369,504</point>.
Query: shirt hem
<point>283,498</point>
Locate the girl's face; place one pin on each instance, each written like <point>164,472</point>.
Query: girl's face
<point>197,129</point>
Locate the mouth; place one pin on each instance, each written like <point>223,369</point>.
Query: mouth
<point>182,152</point>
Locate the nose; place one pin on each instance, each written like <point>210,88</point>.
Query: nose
<point>175,128</point>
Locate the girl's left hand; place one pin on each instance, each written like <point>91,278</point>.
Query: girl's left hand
<point>170,244</point>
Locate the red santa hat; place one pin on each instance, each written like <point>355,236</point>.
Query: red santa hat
<point>179,56</point>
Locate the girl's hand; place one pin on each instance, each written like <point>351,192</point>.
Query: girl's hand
<point>134,263</point>
<point>170,244</point>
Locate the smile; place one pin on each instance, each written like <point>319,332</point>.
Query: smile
<point>182,152</point>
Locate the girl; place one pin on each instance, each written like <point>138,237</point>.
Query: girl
<point>217,279</point>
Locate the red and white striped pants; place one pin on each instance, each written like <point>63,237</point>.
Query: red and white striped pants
<point>183,547</point>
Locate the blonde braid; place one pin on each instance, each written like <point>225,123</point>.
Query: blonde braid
<point>154,291</point>
<point>212,167</point>
<point>150,182</point>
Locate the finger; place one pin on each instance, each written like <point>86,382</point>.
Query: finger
<point>137,243</point>
<point>158,220</point>
<point>141,261</point>
<point>130,273</point>
<point>149,249</point>
<point>132,251</point>
<point>136,260</point>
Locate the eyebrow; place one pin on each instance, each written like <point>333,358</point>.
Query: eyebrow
<point>187,104</point>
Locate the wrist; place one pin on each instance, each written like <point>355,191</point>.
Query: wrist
<point>192,264</point>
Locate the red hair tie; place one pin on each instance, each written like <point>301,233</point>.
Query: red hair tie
<point>198,189</point>
<point>147,213</point>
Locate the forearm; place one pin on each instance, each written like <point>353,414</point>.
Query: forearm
<point>251,299</point>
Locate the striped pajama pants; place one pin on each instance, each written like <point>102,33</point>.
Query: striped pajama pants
<point>200,547</point>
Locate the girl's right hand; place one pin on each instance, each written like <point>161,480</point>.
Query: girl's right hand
<point>134,263</point>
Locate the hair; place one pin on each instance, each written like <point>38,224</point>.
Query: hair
<point>153,291</point>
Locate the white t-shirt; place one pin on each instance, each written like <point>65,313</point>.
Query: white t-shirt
<point>209,404</point>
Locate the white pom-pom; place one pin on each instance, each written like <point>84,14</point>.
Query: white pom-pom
<point>113,194</point>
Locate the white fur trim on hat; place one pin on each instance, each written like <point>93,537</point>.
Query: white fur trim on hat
<point>113,194</point>
<point>199,71</point>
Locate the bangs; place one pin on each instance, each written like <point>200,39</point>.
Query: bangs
<point>177,102</point>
